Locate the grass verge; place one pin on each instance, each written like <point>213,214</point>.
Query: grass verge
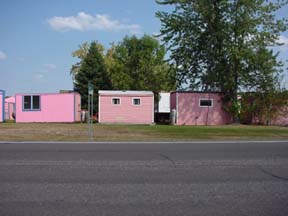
<point>78,132</point>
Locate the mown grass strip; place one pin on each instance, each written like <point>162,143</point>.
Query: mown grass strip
<point>78,132</point>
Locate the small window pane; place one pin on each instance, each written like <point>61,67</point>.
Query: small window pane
<point>27,102</point>
<point>36,102</point>
<point>136,101</point>
<point>115,101</point>
<point>205,103</point>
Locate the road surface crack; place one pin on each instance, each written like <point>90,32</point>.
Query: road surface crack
<point>272,174</point>
<point>167,158</point>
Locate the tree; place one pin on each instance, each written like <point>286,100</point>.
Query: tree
<point>263,107</point>
<point>138,64</point>
<point>81,53</point>
<point>132,64</point>
<point>92,69</point>
<point>223,45</point>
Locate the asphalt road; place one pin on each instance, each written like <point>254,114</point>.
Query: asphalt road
<point>78,179</point>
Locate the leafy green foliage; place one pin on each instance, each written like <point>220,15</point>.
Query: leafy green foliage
<point>138,64</point>
<point>81,53</point>
<point>262,107</point>
<point>133,64</point>
<point>92,69</point>
<point>224,45</point>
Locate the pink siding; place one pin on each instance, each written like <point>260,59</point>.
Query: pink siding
<point>173,100</point>
<point>1,106</point>
<point>280,121</point>
<point>190,113</point>
<point>282,118</point>
<point>126,112</point>
<point>10,100</point>
<point>77,108</point>
<point>9,108</point>
<point>53,108</point>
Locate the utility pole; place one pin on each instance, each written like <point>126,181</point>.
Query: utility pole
<point>90,111</point>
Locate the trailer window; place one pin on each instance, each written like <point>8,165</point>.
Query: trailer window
<point>31,102</point>
<point>115,101</point>
<point>136,101</point>
<point>206,103</point>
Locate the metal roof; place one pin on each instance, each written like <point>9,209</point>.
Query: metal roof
<point>201,92</point>
<point>109,92</point>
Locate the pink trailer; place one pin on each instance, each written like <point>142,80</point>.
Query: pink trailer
<point>2,105</point>
<point>58,107</point>
<point>198,108</point>
<point>129,107</point>
<point>281,117</point>
<point>9,108</point>
<point>280,121</point>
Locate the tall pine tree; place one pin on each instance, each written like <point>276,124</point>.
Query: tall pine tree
<point>93,70</point>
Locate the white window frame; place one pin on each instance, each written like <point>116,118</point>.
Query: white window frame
<point>32,108</point>
<point>206,99</point>
<point>117,98</point>
<point>135,98</point>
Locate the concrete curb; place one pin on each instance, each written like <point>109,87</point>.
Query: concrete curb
<point>150,142</point>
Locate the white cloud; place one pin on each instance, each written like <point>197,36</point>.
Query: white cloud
<point>283,39</point>
<point>87,22</point>
<point>38,77</point>
<point>2,55</point>
<point>50,66</point>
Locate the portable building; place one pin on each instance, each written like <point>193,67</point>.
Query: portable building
<point>281,119</point>
<point>198,108</point>
<point>2,105</point>
<point>255,112</point>
<point>130,107</point>
<point>10,108</point>
<point>55,107</point>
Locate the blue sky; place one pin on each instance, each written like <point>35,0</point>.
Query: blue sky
<point>38,36</point>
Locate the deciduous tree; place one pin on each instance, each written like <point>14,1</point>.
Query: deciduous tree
<point>139,64</point>
<point>223,45</point>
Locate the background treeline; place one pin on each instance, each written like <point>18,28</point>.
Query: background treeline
<point>212,45</point>
<point>132,64</point>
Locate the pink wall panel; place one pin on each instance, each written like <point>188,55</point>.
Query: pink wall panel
<point>54,108</point>
<point>173,100</point>
<point>190,113</point>
<point>126,112</point>
<point>77,108</point>
<point>1,106</point>
<point>9,108</point>
<point>10,99</point>
<point>282,118</point>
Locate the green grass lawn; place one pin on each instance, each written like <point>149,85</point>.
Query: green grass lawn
<point>78,132</point>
